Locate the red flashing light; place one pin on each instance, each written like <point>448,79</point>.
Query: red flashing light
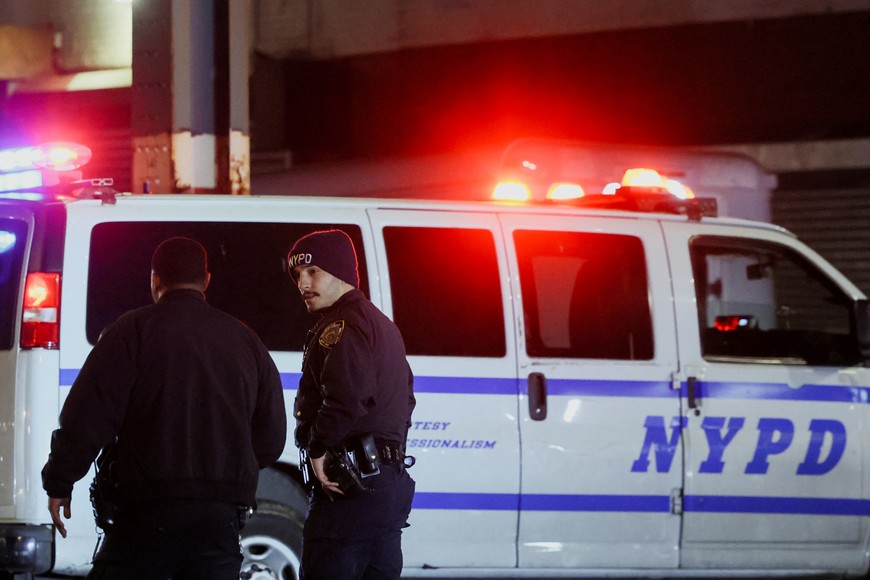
<point>643,177</point>
<point>512,191</point>
<point>679,190</point>
<point>60,156</point>
<point>565,191</point>
<point>40,324</point>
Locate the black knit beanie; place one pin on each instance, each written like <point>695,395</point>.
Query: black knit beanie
<point>330,250</point>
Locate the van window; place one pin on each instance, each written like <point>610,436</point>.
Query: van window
<point>13,240</point>
<point>247,261</point>
<point>446,291</point>
<point>763,301</point>
<point>584,295</point>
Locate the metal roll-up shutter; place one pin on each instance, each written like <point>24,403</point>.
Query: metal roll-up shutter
<point>834,221</point>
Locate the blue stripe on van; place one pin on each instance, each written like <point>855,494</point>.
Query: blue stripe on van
<point>817,506</point>
<point>595,503</point>
<point>466,501</point>
<point>68,376</point>
<point>290,381</point>
<point>781,392</point>
<point>606,388</point>
<point>642,503</point>
<point>441,385</point>
<point>627,503</point>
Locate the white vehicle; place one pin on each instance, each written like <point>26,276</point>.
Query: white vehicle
<point>601,391</point>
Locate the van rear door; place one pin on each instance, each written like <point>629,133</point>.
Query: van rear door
<point>599,419</point>
<point>776,403</point>
<point>15,225</point>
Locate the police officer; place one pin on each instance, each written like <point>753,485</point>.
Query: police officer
<point>356,387</point>
<point>192,404</point>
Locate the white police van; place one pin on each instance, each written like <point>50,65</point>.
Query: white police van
<point>624,386</point>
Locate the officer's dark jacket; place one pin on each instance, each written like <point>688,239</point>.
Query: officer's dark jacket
<point>355,378</point>
<point>193,397</point>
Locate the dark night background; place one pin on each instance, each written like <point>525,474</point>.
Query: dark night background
<point>791,79</point>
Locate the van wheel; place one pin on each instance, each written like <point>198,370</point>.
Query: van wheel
<point>272,543</point>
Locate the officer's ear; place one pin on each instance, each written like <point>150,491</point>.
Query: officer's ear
<point>206,281</point>
<point>156,286</point>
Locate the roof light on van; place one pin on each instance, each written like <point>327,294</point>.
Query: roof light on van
<point>565,191</point>
<point>643,177</point>
<point>21,180</point>
<point>7,241</point>
<point>16,159</point>
<point>40,318</point>
<point>611,188</point>
<point>652,180</point>
<point>512,191</point>
<point>61,156</point>
<point>679,190</point>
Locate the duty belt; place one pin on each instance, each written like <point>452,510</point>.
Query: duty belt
<point>391,453</point>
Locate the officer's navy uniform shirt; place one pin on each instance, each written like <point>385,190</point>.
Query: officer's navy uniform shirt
<point>355,378</point>
<point>193,396</point>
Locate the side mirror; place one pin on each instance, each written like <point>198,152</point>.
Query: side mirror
<point>862,326</point>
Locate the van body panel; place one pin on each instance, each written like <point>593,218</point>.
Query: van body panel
<point>776,456</point>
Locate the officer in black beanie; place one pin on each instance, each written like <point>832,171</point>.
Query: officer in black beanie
<point>355,394</point>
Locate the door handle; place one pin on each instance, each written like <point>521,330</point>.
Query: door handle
<point>692,394</point>
<point>537,396</point>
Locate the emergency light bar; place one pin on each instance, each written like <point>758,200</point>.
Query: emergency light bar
<point>28,168</point>
<point>641,189</point>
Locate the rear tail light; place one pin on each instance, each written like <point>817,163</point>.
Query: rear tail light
<point>40,321</point>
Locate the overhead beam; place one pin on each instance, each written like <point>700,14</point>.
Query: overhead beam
<point>829,155</point>
<point>27,52</point>
<point>344,28</point>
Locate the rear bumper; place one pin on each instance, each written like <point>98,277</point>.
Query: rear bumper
<point>26,548</point>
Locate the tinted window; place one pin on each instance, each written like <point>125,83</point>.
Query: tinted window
<point>766,302</point>
<point>584,295</point>
<point>13,239</point>
<point>446,291</point>
<point>247,262</point>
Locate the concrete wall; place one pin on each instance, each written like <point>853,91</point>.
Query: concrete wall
<point>338,28</point>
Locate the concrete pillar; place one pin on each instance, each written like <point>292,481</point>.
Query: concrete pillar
<point>190,96</point>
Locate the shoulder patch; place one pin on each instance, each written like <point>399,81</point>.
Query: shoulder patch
<point>331,334</point>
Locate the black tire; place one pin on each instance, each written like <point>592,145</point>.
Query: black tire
<point>272,543</point>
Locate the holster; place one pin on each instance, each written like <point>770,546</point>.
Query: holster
<point>341,467</point>
<point>347,465</point>
<point>104,490</point>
